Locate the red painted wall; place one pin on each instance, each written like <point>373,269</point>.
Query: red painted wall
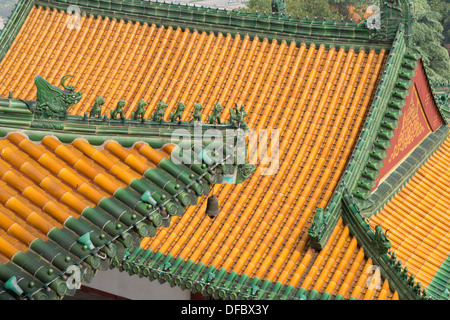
<point>420,116</point>
<point>426,98</point>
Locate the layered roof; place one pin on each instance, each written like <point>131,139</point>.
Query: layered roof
<point>262,229</point>
<point>316,93</point>
<point>61,204</point>
<point>315,97</point>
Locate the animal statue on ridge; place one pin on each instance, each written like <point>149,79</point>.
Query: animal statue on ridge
<point>158,115</point>
<point>118,110</point>
<point>178,114</point>
<point>197,116</point>
<point>96,110</point>
<point>52,100</point>
<point>140,111</point>
<point>215,116</point>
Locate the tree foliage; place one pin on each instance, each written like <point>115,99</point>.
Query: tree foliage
<point>303,8</point>
<point>443,7</point>
<point>430,25</point>
<point>312,9</point>
<point>428,35</point>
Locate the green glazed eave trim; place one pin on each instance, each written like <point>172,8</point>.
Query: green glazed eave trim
<point>90,252</point>
<point>25,115</point>
<point>125,139</point>
<point>365,149</point>
<point>390,187</point>
<point>46,264</point>
<point>443,106</point>
<point>210,281</point>
<point>217,20</point>
<point>445,111</point>
<point>388,123</point>
<point>25,281</point>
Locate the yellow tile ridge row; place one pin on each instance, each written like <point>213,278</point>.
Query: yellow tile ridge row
<point>96,47</point>
<point>237,229</point>
<point>113,71</point>
<point>61,66</point>
<point>289,200</point>
<point>48,42</point>
<point>215,65</point>
<point>33,47</point>
<point>28,190</point>
<point>185,69</point>
<point>46,182</point>
<point>16,204</point>
<point>15,229</point>
<point>192,96</point>
<point>60,183</point>
<point>11,55</point>
<point>86,56</point>
<point>105,162</point>
<point>297,254</point>
<point>172,67</point>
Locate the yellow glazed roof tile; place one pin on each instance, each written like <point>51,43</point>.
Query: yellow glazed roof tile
<point>418,218</point>
<point>314,97</point>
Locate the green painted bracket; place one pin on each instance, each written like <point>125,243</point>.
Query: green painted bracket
<point>86,240</point>
<point>13,286</point>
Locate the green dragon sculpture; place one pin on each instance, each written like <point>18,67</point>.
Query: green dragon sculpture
<point>140,111</point>
<point>244,171</point>
<point>158,115</point>
<point>52,101</point>
<point>237,116</point>
<point>380,241</point>
<point>318,224</point>
<point>118,111</point>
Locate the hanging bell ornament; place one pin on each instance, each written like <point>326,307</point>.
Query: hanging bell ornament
<point>212,207</point>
